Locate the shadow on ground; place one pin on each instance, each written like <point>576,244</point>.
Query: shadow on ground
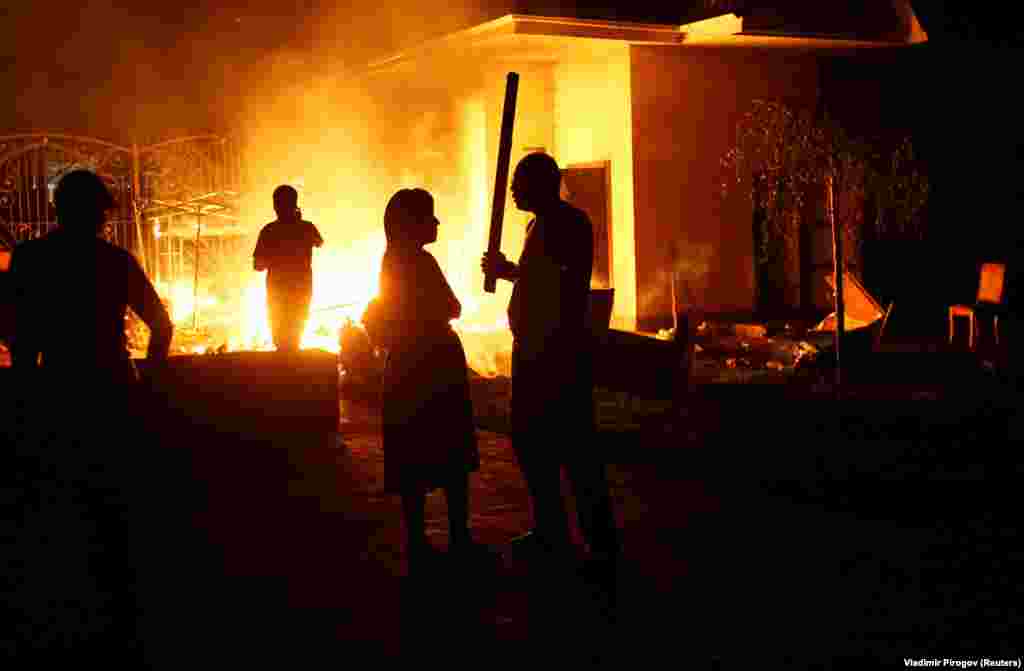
<point>755,529</point>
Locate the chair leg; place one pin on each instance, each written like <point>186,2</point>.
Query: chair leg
<point>995,328</point>
<point>973,325</point>
<point>951,327</point>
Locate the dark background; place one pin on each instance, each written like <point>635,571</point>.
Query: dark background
<point>134,71</point>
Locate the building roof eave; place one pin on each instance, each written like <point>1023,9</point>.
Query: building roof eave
<point>723,30</point>
<point>542,26</point>
<point>783,40</point>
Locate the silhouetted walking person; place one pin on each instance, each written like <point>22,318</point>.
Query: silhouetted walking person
<point>429,437</point>
<point>78,453</point>
<point>552,402</point>
<point>285,250</point>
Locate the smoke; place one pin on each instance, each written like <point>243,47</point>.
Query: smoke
<point>309,117</point>
<point>284,77</point>
<point>688,267</point>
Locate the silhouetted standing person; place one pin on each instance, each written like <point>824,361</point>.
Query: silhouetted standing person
<point>552,401</point>
<point>72,290</point>
<point>429,436</point>
<point>285,250</point>
<point>79,453</point>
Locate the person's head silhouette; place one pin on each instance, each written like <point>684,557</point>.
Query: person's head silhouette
<point>82,201</point>
<point>286,203</point>
<point>409,219</point>
<point>536,182</point>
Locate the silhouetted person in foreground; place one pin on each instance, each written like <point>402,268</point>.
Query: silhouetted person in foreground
<point>429,436</point>
<point>285,250</point>
<point>80,454</point>
<point>72,290</point>
<point>553,419</point>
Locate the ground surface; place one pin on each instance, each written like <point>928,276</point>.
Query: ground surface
<point>895,540</point>
<point>756,529</point>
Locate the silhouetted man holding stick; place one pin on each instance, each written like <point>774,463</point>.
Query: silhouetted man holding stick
<point>552,402</point>
<point>285,251</point>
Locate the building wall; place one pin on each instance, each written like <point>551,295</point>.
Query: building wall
<point>591,114</point>
<point>577,110</point>
<point>686,102</point>
<point>533,128</point>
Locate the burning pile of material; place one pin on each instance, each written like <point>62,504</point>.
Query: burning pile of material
<point>239,321</point>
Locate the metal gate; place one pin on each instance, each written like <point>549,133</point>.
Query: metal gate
<point>31,165</point>
<point>189,201</point>
<point>163,179</point>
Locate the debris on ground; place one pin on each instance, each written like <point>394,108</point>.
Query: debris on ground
<point>357,357</point>
<point>750,330</point>
<point>803,352</point>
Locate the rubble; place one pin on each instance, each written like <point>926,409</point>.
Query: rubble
<point>357,357</point>
<point>803,352</point>
<point>724,353</point>
<point>750,330</point>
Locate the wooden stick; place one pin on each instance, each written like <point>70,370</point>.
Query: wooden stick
<point>508,116</point>
<point>840,270</point>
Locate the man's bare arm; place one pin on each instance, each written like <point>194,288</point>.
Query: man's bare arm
<point>146,303</point>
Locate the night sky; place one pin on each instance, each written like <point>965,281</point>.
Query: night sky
<point>116,67</point>
<point>124,69</point>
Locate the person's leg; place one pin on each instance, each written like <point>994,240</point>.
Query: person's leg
<point>277,315</point>
<point>457,496</point>
<point>413,510</point>
<point>301,316</point>
<point>292,327</point>
<point>544,484</point>
<point>587,475</point>
<point>530,415</point>
<point>589,482</point>
<point>293,331</point>
<point>296,313</point>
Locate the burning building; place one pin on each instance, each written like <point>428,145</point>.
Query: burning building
<point>637,115</point>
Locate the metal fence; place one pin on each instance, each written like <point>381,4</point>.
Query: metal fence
<point>146,181</point>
